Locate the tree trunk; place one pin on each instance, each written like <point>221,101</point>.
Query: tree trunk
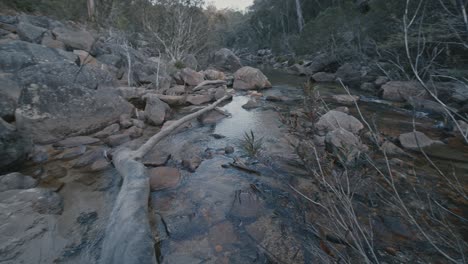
<point>300,18</point>
<point>91,10</point>
<point>128,238</point>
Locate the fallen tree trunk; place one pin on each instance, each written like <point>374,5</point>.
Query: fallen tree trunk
<point>208,84</point>
<point>128,236</point>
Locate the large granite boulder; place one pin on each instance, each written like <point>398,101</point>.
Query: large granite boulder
<point>17,55</point>
<point>248,78</point>
<point>63,74</point>
<point>225,60</point>
<point>16,181</point>
<point>74,38</point>
<point>189,77</point>
<point>156,110</point>
<point>51,113</point>
<point>30,33</point>
<point>14,146</point>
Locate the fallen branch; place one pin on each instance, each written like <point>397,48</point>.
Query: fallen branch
<point>128,234</point>
<point>208,84</point>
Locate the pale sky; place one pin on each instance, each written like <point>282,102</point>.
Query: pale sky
<point>236,4</point>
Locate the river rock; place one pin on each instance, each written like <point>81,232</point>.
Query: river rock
<point>251,104</point>
<point>427,106</point>
<point>334,119</point>
<point>401,91</point>
<point>134,132</point>
<point>415,140</point>
<point>176,90</point>
<point>163,178</point>
<point>345,99</point>
<point>190,61</point>
<point>14,146</point>
<point>156,158</point>
<point>65,74</point>
<point>17,55</point>
<point>341,140</point>
<point>15,181</point>
<point>76,141</point>
<point>173,100</point>
<point>248,78</point>
<point>76,39</point>
<point>391,149</point>
<point>53,113</point>
<point>321,63</point>
<point>381,80</point>
<point>89,157</point>
<point>156,110</point>
<point>225,60</point>
<point>30,33</point>
<point>49,41</point>
<point>190,77</point>
<point>199,99</point>
<point>108,131</point>
<point>125,121</point>
<point>72,153</point>
<point>117,140</point>
<point>192,164</point>
<point>213,75</point>
<point>368,87</point>
<point>349,73</point>
<point>324,77</point>
<point>211,117</point>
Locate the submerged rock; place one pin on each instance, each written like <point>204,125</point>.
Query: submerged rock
<point>251,104</point>
<point>163,178</point>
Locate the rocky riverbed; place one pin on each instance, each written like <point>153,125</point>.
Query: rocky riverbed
<point>68,104</point>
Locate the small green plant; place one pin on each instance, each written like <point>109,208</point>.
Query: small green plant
<point>251,145</point>
<point>179,64</point>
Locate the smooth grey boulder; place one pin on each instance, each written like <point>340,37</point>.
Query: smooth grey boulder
<point>17,55</point>
<point>30,33</point>
<point>401,91</point>
<point>14,146</point>
<point>324,77</point>
<point>16,181</point>
<point>156,110</point>
<point>64,74</point>
<point>190,61</point>
<point>225,60</point>
<point>50,114</point>
<point>416,140</point>
<point>248,78</point>
<point>321,63</point>
<point>74,38</point>
<point>335,119</point>
<point>341,141</point>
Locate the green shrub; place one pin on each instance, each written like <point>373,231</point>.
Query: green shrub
<point>251,145</point>
<point>179,64</point>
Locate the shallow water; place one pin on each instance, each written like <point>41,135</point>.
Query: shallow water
<point>225,215</point>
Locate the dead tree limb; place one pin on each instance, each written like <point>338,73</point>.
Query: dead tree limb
<point>207,84</point>
<point>128,234</point>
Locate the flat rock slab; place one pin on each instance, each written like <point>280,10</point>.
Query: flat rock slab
<point>163,178</point>
<point>156,159</point>
<point>76,141</point>
<point>416,140</point>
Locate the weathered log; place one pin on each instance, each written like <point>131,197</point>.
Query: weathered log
<point>208,84</point>
<point>128,234</point>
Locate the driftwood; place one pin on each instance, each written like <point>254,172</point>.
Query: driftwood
<point>128,234</point>
<point>208,84</point>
